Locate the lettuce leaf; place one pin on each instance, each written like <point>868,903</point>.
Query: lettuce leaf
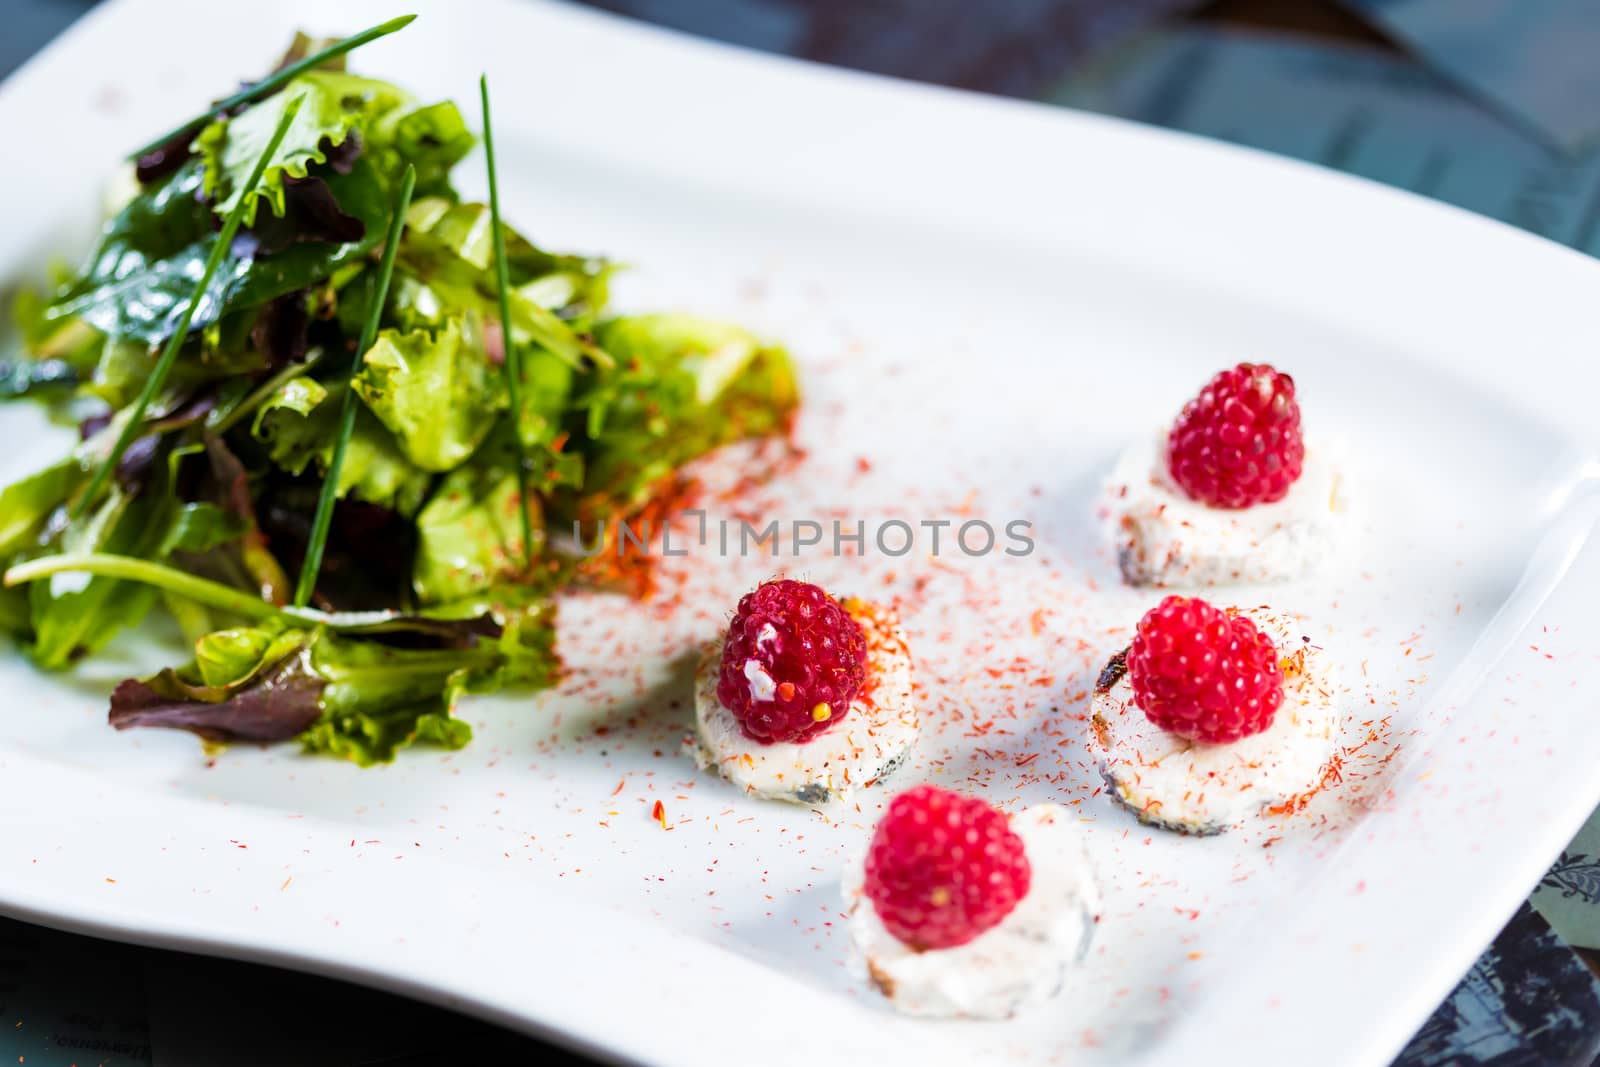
<point>682,386</point>
<point>298,424</point>
<point>433,139</point>
<point>357,696</point>
<point>469,537</point>
<point>333,104</point>
<point>246,684</point>
<point>445,259</point>
<point>369,736</point>
<point>435,391</point>
<point>339,108</point>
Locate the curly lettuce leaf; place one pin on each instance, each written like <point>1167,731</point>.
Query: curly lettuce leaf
<point>546,394</point>
<point>434,390</point>
<point>469,537</point>
<point>444,262</point>
<point>338,108</point>
<point>433,138</point>
<point>298,424</point>
<point>333,104</point>
<point>682,387</point>
<point>367,737</point>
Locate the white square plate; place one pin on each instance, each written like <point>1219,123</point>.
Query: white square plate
<point>988,300</point>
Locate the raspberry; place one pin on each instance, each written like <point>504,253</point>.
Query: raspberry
<point>1238,443</point>
<point>943,868</point>
<point>792,663</point>
<point>1203,674</point>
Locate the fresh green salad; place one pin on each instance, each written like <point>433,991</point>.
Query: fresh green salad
<point>351,534</point>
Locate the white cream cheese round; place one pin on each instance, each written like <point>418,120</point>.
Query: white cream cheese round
<point>1018,964</point>
<point>1199,788</point>
<point>864,747</point>
<point>1164,538</point>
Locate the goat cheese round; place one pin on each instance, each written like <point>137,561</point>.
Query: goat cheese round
<point>1018,964</point>
<point>1165,538</point>
<point>867,745</point>
<point>1198,788</point>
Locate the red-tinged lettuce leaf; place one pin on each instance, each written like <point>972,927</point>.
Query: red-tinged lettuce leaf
<point>303,45</point>
<point>311,214</point>
<point>138,462</point>
<point>425,632</point>
<point>281,328</point>
<point>279,703</point>
<point>361,692</point>
<point>216,535</point>
<point>164,159</point>
<point>366,562</point>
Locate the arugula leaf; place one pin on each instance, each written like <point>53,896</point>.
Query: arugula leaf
<point>682,387</point>
<point>469,537</point>
<point>151,252</point>
<point>434,391</point>
<point>26,377</point>
<point>297,424</point>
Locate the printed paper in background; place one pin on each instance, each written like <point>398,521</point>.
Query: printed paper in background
<point>1569,895</point>
<point>1353,108</point>
<point>1538,61</point>
<point>1014,47</point>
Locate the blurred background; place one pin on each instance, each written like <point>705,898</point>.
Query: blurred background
<point>1490,105</point>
